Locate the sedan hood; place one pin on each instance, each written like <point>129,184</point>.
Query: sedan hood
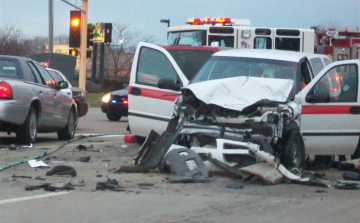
<point>240,92</point>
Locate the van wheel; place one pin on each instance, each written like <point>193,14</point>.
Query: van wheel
<point>28,131</point>
<point>68,132</point>
<point>293,150</point>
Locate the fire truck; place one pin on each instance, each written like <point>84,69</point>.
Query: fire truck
<point>237,33</point>
<point>340,43</point>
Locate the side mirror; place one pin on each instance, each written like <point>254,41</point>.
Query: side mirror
<point>168,83</point>
<point>62,84</point>
<point>318,97</point>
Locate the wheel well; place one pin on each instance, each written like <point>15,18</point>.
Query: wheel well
<point>37,105</point>
<point>290,126</point>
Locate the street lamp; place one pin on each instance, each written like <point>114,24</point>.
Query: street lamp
<point>166,21</point>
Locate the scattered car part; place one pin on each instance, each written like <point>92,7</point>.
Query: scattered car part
<point>84,159</point>
<point>347,175</point>
<point>235,169</point>
<point>234,186</point>
<point>110,184</point>
<point>347,184</point>
<point>59,186</point>
<point>266,172</point>
<point>188,166</point>
<point>28,177</point>
<point>62,170</point>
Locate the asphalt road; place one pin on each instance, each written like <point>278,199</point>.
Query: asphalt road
<point>150,197</point>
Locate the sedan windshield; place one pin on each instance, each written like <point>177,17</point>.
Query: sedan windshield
<point>226,67</point>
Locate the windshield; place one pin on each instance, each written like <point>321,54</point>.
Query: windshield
<point>226,67</point>
<point>192,38</point>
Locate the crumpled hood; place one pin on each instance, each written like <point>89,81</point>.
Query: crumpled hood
<point>240,92</point>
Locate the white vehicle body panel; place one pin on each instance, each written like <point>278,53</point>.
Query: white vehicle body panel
<point>329,128</point>
<point>145,100</point>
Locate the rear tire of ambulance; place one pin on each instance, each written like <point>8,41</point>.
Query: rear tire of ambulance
<point>293,150</point>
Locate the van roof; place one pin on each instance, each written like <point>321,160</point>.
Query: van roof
<point>282,55</point>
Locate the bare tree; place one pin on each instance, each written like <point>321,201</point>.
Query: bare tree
<point>61,39</point>
<point>12,42</point>
<point>118,60</point>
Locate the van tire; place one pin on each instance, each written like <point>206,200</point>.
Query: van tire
<point>293,150</point>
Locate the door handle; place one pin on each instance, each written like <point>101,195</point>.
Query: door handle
<point>40,91</point>
<point>68,93</point>
<point>354,110</point>
<point>135,91</point>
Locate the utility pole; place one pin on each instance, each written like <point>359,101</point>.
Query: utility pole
<point>51,26</point>
<point>83,45</point>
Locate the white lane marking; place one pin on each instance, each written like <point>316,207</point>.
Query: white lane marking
<point>33,197</point>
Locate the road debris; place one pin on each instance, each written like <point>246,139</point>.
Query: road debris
<point>38,164</point>
<point>51,187</point>
<point>28,177</point>
<point>85,159</point>
<point>110,184</point>
<point>62,170</point>
<point>188,166</point>
<point>234,186</point>
<point>22,161</point>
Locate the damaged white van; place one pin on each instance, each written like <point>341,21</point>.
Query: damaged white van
<point>269,98</point>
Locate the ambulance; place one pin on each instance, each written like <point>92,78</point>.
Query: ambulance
<point>237,33</point>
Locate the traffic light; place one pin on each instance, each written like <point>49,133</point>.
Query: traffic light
<point>108,33</point>
<point>90,32</point>
<point>75,25</point>
<point>73,52</point>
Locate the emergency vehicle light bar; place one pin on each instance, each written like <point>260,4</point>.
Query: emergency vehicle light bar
<point>197,21</point>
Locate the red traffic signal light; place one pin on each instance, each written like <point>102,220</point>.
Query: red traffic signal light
<point>75,25</point>
<point>73,52</point>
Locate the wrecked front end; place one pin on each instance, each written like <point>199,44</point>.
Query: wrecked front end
<point>226,121</point>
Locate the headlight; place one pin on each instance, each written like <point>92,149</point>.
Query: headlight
<point>106,98</point>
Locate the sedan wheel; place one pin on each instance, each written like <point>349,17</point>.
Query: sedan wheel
<point>68,132</point>
<point>28,131</point>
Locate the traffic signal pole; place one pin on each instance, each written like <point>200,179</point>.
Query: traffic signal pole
<point>83,45</point>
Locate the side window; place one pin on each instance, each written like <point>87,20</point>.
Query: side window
<point>152,66</point>
<point>35,74</point>
<point>305,72</point>
<point>317,65</point>
<point>262,43</point>
<point>55,75</point>
<point>224,41</point>
<point>292,44</point>
<point>340,82</point>
<point>49,80</point>
<point>327,61</point>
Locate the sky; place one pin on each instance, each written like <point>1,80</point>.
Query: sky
<point>32,16</point>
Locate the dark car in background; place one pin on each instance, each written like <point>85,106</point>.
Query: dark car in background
<point>78,94</point>
<point>115,104</point>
